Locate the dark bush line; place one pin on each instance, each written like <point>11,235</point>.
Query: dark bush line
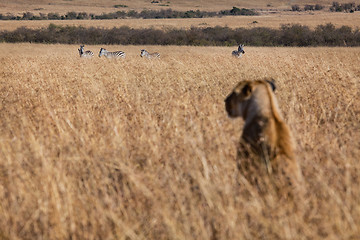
<point>335,7</point>
<point>287,35</point>
<point>165,13</point>
<point>345,7</point>
<point>307,7</point>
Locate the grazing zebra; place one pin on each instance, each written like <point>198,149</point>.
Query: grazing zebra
<point>146,54</point>
<point>239,52</point>
<point>85,54</point>
<point>118,54</point>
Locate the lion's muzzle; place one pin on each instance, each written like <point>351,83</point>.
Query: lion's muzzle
<point>230,105</point>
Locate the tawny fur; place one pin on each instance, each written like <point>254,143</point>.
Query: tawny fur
<point>265,133</point>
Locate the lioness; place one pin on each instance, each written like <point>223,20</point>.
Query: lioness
<point>265,133</point>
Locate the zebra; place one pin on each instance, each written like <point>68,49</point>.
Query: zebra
<point>146,54</point>
<point>85,54</point>
<point>118,54</point>
<point>239,52</point>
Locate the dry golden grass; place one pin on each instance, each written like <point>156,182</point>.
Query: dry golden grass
<point>272,14</point>
<point>99,6</point>
<point>265,20</point>
<point>139,149</point>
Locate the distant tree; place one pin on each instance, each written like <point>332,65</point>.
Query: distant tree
<point>71,15</point>
<point>295,8</point>
<point>318,7</point>
<point>336,7</point>
<point>27,16</point>
<point>309,7</point>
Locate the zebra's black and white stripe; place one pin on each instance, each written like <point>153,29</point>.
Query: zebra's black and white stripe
<point>146,54</point>
<point>85,54</point>
<point>117,54</point>
<point>239,52</point>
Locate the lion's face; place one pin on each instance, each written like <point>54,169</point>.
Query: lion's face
<point>235,103</point>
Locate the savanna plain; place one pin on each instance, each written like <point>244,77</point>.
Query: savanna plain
<point>143,149</point>
<point>275,21</point>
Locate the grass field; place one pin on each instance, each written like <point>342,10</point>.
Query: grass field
<point>100,6</point>
<point>264,20</point>
<point>139,149</point>
<point>272,14</point>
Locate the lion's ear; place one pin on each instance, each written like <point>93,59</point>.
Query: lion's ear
<point>272,84</point>
<point>246,90</point>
